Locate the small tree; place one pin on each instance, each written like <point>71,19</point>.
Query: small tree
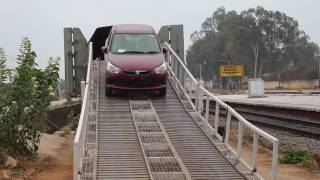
<point>46,83</point>
<point>3,70</point>
<point>5,98</point>
<point>25,136</point>
<point>52,72</point>
<point>27,102</point>
<point>32,89</point>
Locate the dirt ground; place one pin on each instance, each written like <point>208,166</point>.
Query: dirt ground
<point>55,160</point>
<point>61,154</point>
<point>285,171</point>
<point>59,151</point>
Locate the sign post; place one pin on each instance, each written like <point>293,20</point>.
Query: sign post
<point>232,70</point>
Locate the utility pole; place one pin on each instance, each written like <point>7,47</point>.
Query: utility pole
<point>200,73</point>
<point>200,67</point>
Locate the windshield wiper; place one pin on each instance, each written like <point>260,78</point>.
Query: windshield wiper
<point>138,52</point>
<point>151,52</point>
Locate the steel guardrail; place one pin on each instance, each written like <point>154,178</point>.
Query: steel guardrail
<point>85,137</point>
<point>185,81</point>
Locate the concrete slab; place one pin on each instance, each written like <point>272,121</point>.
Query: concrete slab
<point>302,102</point>
<point>59,103</point>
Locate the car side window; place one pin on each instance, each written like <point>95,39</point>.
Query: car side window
<point>109,39</point>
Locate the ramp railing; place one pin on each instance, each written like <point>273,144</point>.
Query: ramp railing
<point>189,88</point>
<point>85,144</point>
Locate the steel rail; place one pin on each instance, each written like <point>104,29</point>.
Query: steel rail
<point>307,128</point>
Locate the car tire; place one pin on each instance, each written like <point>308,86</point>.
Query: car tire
<point>108,92</point>
<point>163,92</point>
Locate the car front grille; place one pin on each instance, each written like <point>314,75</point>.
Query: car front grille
<point>138,81</point>
<point>137,72</point>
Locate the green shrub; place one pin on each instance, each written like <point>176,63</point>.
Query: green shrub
<point>25,95</point>
<point>73,120</point>
<point>295,157</point>
<point>3,155</point>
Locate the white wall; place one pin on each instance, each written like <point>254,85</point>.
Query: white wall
<point>297,84</point>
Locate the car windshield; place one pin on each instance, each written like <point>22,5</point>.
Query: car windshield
<point>134,43</point>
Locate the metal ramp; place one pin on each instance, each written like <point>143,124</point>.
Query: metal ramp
<point>161,157</point>
<point>160,137</point>
<point>139,141</point>
<point>202,159</point>
<point>119,154</point>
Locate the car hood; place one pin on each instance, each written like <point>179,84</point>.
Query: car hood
<point>136,61</point>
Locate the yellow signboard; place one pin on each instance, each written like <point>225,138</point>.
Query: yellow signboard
<point>231,70</point>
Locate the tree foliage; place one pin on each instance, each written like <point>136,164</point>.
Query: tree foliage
<point>264,41</point>
<point>26,101</point>
<point>3,70</point>
<point>5,99</point>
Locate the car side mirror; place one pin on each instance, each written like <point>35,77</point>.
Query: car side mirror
<point>104,49</point>
<point>164,50</point>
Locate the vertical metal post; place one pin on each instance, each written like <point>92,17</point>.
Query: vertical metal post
<point>177,43</point>
<point>83,86</point>
<point>68,61</point>
<point>168,54</point>
<point>164,34</point>
<point>196,96</point>
<point>216,119</point>
<point>239,146</point>
<point>76,162</point>
<point>200,99</point>
<point>80,46</point>
<point>175,67</point>
<point>226,139</point>
<point>275,159</point>
<point>207,107</point>
<point>76,54</point>
<point>255,151</point>
<point>180,73</point>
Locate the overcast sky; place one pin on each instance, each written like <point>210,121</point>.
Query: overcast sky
<point>43,20</point>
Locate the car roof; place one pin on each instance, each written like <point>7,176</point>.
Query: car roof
<point>133,29</point>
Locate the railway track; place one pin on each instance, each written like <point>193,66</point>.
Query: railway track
<point>306,123</point>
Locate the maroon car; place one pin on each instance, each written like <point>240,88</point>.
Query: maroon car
<point>134,60</point>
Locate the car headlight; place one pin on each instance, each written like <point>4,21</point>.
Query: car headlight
<point>161,69</point>
<point>112,69</point>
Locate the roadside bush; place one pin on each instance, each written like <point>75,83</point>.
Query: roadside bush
<point>3,155</point>
<point>299,156</point>
<point>24,101</point>
<point>73,120</point>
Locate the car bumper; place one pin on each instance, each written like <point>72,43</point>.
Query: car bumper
<point>124,81</point>
<point>135,88</point>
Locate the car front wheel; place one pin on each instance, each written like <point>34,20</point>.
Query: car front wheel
<point>108,92</point>
<point>163,92</point>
